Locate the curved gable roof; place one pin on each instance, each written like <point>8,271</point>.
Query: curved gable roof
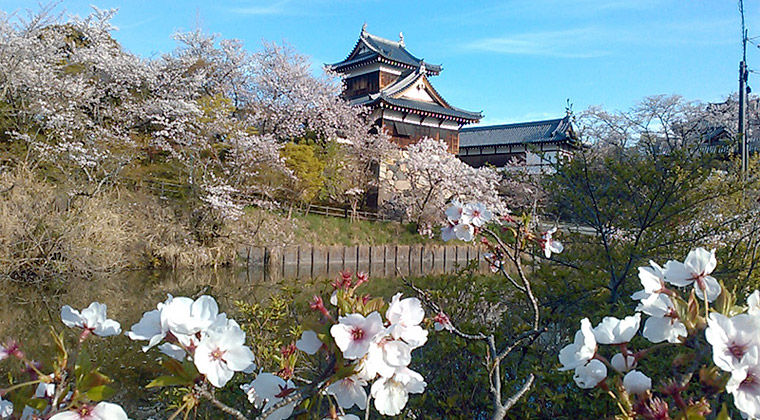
<point>376,47</point>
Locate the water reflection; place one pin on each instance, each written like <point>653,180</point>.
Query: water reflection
<point>28,312</point>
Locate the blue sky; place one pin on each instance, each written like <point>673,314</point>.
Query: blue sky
<point>513,60</point>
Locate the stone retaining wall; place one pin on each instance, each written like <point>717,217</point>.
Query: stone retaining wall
<point>315,262</point>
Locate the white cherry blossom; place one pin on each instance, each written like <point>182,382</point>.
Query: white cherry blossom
<point>696,268</point>
<point>222,352</point>
<point>391,394</point>
<point>656,304</point>
<point>266,391</point>
<point>744,385</point>
<point>753,303</point>
<point>93,319</point>
<point>385,356</point>
<point>666,328</point>
<point>183,315</point>
<point>734,340</point>
<point>454,212</point>
<point>475,214</point>
<point>6,409</point>
<point>442,322</point>
<point>464,232</point>
<point>102,411</point>
<point>623,364</point>
<point>447,232</point>
<point>149,328</point>
<point>581,350</point>
<point>549,245</point>
<point>653,280</point>
<point>349,391</point>
<point>309,343</point>
<point>590,374</point>
<point>636,382</point>
<point>405,316</point>
<point>172,350</point>
<point>457,230</point>
<point>616,331</point>
<point>353,333</point>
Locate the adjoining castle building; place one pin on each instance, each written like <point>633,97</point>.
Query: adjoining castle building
<point>534,145</point>
<point>382,75</point>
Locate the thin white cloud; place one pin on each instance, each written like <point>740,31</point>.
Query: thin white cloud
<point>598,41</point>
<point>573,43</point>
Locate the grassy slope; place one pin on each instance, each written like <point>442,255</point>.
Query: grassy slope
<point>325,230</point>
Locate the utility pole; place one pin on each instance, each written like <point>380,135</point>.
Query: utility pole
<point>743,75</point>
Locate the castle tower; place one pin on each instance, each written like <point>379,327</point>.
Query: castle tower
<point>382,75</point>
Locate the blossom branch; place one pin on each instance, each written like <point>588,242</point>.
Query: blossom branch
<point>203,392</point>
<point>304,393</point>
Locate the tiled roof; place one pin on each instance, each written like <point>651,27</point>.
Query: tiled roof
<point>390,50</point>
<point>725,148</point>
<point>381,99</point>
<point>432,107</point>
<point>529,132</point>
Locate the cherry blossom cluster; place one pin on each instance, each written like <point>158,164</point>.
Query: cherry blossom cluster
<point>730,334</point>
<point>434,176</point>
<point>196,329</point>
<point>381,352</point>
<point>464,220</point>
<point>370,351</point>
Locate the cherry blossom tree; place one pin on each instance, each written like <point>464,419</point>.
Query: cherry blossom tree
<point>435,177</point>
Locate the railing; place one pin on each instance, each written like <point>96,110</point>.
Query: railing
<point>166,189</point>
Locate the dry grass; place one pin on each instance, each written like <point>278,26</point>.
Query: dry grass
<point>48,233</point>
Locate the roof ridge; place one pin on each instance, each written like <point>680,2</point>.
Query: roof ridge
<point>511,125</point>
<point>379,38</point>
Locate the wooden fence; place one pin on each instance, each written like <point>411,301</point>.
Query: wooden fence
<point>164,189</point>
<point>315,262</point>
